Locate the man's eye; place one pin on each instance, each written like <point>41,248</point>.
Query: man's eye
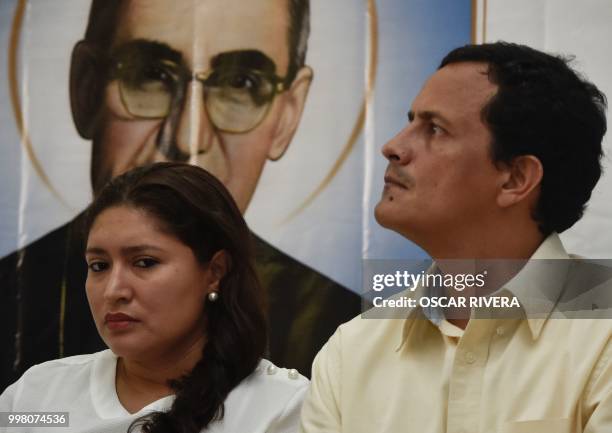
<point>98,266</point>
<point>436,129</point>
<point>138,75</point>
<point>145,263</point>
<point>157,73</point>
<point>243,81</point>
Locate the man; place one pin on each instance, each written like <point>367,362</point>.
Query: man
<point>216,83</point>
<point>501,153</point>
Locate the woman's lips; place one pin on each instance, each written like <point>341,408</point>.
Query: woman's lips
<point>117,321</point>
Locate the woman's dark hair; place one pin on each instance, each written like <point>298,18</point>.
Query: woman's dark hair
<point>194,206</point>
<point>543,108</point>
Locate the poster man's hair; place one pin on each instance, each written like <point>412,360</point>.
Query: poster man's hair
<point>104,16</point>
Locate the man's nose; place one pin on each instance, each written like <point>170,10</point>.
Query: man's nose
<point>197,137</point>
<point>194,133</point>
<point>399,148</point>
<point>118,287</point>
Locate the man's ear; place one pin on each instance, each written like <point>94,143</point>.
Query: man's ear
<point>521,176</point>
<point>86,88</point>
<point>295,98</point>
<point>218,267</point>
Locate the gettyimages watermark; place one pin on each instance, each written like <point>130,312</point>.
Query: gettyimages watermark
<point>462,289</point>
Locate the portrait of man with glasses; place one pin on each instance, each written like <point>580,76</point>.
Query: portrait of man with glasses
<point>217,83</point>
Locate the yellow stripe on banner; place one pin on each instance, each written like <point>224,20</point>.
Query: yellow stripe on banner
<point>359,124</point>
<point>474,23</point>
<point>62,318</point>
<point>484,21</point>
<point>15,101</point>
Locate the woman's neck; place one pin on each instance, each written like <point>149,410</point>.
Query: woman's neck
<point>141,382</point>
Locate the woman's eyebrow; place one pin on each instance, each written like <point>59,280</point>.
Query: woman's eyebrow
<point>132,249</point>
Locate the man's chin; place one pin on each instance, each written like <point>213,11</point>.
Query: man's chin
<point>383,213</point>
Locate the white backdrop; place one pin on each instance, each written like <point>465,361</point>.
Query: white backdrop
<point>583,29</point>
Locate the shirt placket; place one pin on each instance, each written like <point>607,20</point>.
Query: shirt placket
<point>466,378</point>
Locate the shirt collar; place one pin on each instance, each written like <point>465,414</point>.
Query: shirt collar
<point>540,283</point>
<point>536,286</point>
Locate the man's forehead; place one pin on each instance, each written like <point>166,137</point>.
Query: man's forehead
<point>202,29</point>
<point>457,90</point>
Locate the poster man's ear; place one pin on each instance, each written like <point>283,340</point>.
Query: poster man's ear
<point>291,113</point>
<point>86,88</point>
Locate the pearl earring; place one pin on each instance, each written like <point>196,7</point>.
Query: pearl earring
<point>213,296</point>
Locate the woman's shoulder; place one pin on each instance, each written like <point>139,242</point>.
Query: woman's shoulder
<point>58,377</point>
<point>268,396</point>
<point>268,374</point>
<point>68,365</point>
<point>276,383</point>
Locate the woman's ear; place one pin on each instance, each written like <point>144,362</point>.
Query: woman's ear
<point>86,88</point>
<point>218,267</point>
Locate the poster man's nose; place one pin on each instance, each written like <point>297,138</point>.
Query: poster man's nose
<point>195,133</point>
<point>197,140</point>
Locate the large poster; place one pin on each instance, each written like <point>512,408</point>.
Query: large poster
<point>287,102</point>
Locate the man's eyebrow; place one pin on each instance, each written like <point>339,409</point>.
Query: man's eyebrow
<point>149,49</point>
<point>428,115</point>
<point>243,59</point>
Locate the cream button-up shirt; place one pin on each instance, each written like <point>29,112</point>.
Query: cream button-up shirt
<point>535,375</point>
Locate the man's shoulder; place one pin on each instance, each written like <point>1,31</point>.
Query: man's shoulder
<point>278,271</point>
<point>46,243</point>
<point>376,332</point>
<point>274,263</point>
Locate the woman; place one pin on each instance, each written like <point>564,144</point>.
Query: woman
<point>174,295</point>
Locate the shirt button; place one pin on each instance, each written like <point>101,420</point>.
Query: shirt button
<point>271,369</point>
<point>293,374</point>
<point>470,358</point>
<point>500,330</point>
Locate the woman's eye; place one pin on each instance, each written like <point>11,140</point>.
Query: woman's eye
<point>145,263</point>
<point>98,266</point>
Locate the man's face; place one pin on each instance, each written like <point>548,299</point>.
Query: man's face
<point>441,180</point>
<point>250,40</point>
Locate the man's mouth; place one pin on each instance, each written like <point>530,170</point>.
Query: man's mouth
<point>390,181</point>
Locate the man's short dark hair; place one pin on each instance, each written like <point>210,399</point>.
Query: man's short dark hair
<point>546,109</point>
<point>104,16</point>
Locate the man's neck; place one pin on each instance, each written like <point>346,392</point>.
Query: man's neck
<point>495,242</point>
<point>500,255</point>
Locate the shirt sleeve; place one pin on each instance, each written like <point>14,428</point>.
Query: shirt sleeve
<point>321,410</point>
<point>7,397</point>
<point>6,402</point>
<point>289,419</point>
<point>598,402</point>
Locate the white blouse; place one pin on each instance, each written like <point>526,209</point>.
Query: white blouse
<point>269,400</point>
